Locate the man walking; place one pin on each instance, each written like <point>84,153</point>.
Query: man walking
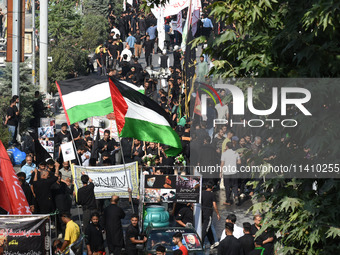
<point>148,50</point>
<point>229,161</point>
<point>87,199</point>
<point>12,121</point>
<point>230,245</point>
<point>208,204</point>
<point>133,237</point>
<point>113,215</point>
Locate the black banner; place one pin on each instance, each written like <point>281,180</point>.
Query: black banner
<point>188,189</point>
<point>25,235</point>
<point>172,188</point>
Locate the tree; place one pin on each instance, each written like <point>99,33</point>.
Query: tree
<point>94,30</point>
<point>289,39</point>
<point>26,89</point>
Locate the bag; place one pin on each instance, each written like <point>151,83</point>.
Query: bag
<point>17,156</point>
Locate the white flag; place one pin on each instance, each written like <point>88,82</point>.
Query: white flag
<point>179,25</point>
<point>160,30</point>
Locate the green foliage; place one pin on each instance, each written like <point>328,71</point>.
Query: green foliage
<point>98,7</point>
<point>26,93</point>
<point>277,38</point>
<point>289,39</point>
<point>5,136</point>
<point>94,30</point>
<point>64,22</point>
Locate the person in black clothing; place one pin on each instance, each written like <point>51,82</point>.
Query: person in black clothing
<point>108,145</point>
<point>247,241</point>
<point>101,62</point>
<point>149,49</point>
<point>138,44</point>
<point>87,199</point>
<point>267,236</point>
<point>132,236</point>
<point>115,53</point>
<point>137,151</point>
<point>12,121</point>
<point>62,200</point>
<point>230,245</point>
<point>27,190</point>
<point>42,190</point>
<point>258,250</point>
<point>127,149</point>
<point>113,215</point>
<point>77,134</point>
<point>177,58</point>
<point>38,110</point>
<point>208,204</point>
<point>63,136</point>
<point>185,215</point>
<point>94,236</point>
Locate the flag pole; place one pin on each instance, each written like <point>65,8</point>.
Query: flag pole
<point>74,145</point>
<point>121,149</point>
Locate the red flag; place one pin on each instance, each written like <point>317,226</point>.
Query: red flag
<point>12,197</point>
<point>197,108</point>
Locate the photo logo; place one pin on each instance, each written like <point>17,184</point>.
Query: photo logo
<point>239,106</point>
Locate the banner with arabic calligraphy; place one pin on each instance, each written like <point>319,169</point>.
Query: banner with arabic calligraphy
<point>25,235</point>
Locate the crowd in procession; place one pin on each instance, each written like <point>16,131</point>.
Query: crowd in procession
<point>49,185</point>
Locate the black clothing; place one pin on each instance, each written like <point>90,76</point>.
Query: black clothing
<point>151,151</point>
<point>114,49</point>
<point>101,56</point>
<point>269,247</point>
<point>28,193</point>
<point>76,132</point>
<point>127,148</point>
<point>142,26</point>
<point>42,190</point>
<point>253,229</point>
<point>131,231</point>
<point>258,251</point>
<point>86,197</point>
<point>208,197</point>
<point>177,59</point>
<point>138,39</point>
<point>113,215</point>
<point>94,237</point>
<point>230,246</point>
<point>62,138</point>
<point>164,61</point>
<point>38,108</point>
<point>247,243</point>
<point>13,121</point>
<point>140,153</point>
<point>61,196</point>
<point>148,47</point>
<point>185,215</point>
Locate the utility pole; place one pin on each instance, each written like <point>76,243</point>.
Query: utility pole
<point>33,43</point>
<point>43,46</point>
<point>16,37</point>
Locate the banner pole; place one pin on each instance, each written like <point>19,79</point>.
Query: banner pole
<point>74,145</point>
<point>121,149</point>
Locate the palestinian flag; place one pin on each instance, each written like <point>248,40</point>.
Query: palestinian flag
<point>85,97</point>
<point>137,116</point>
<point>142,118</point>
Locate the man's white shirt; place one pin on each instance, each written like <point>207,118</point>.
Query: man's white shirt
<point>238,232</point>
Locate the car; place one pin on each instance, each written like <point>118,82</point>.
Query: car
<point>163,236</point>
